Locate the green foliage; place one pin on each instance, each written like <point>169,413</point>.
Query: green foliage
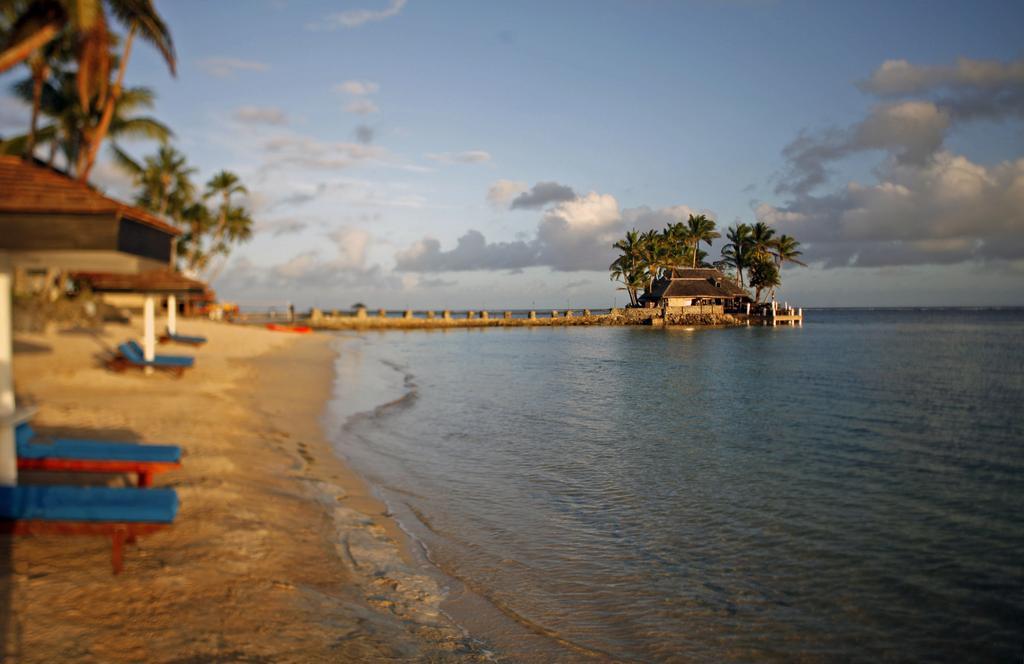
<point>764,275</point>
<point>754,254</point>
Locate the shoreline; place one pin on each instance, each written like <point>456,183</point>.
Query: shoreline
<point>279,550</point>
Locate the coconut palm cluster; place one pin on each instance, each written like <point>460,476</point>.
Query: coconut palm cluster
<point>753,255</point>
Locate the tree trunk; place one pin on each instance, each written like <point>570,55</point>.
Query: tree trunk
<point>39,74</point>
<point>20,51</point>
<point>193,250</point>
<point>222,223</point>
<point>96,137</point>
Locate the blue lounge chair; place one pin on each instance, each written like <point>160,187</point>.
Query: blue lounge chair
<point>130,355</point>
<point>121,514</point>
<point>94,456</point>
<point>174,337</point>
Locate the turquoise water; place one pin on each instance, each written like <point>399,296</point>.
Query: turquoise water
<point>852,489</point>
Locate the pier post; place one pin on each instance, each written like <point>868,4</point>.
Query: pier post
<point>470,315</point>
<point>554,313</point>
<point>507,315</point>
<point>533,315</point>
<point>383,313</point>
<point>172,314</point>
<point>407,315</point>
<point>568,314</point>
<point>446,314</point>
<point>485,315</point>
<point>430,315</point>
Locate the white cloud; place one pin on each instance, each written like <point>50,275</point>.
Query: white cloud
<point>575,235</point>
<point>289,151</point>
<point>361,107</point>
<point>353,18</point>
<point>950,210</point>
<point>501,193</point>
<point>465,157</point>
<point>261,115</point>
<point>357,88</point>
<point>225,67</point>
<point>899,77</point>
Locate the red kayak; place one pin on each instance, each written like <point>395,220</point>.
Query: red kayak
<point>298,329</point>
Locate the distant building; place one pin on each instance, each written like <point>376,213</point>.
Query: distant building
<point>705,289</point>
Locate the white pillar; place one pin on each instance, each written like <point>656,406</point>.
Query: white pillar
<point>8,452</point>
<point>172,314</point>
<point>149,330</point>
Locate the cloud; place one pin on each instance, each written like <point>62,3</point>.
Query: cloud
<point>309,270</point>
<point>279,227</point>
<point>571,236</point>
<point>261,115</point>
<point>472,252</point>
<point>364,134</point>
<point>361,107</point>
<point>353,18</point>
<point>465,157</point>
<point>928,205</point>
<point>226,67</point>
<point>912,130</point>
<point>950,210</point>
<point>357,88</point>
<point>289,151</point>
<point>543,193</point>
<point>501,193</point>
<point>899,77</point>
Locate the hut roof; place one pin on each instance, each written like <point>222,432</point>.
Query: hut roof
<point>153,281</point>
<point>697,282</point>
<point>30,187</point>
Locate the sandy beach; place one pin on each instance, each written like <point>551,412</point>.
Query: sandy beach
<point>278,552</point>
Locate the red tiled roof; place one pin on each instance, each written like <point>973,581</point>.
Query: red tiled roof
<point>29,187</point>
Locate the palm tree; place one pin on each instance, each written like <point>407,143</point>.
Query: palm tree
<point>626,268</point>
<point>223,184</point>
<point>198,219</point>
<point>762,239</point>
<point>701,229</point>
<point>786,250</point>
<point>736,253</point>
<point>165,179</point>
<point>69,121</point>
<point>764,274</point>
<point>40,21</point>
<point>238,229</point>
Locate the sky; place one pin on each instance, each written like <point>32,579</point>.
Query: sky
<point>414,153</point>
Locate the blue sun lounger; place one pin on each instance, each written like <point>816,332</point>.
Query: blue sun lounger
<point>121,514</point>
<point>94,456</point>
<point>130,355</point>
<point>181,339</point>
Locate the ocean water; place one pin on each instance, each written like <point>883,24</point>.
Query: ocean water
<point>850,490</point>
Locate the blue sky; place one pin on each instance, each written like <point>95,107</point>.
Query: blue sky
<point>374,134</point>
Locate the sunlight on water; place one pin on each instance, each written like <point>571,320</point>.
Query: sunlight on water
<point>850,489</point>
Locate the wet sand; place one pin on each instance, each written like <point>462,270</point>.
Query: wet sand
<point>278,552</point>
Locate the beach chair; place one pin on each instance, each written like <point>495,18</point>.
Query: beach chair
<point>94,456</point>
<point>174,337</point>
<point>121,514</point>
<point>130,355</point>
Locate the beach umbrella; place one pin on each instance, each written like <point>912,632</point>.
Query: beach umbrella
<point>48,220</point>
<point>150,284</point>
